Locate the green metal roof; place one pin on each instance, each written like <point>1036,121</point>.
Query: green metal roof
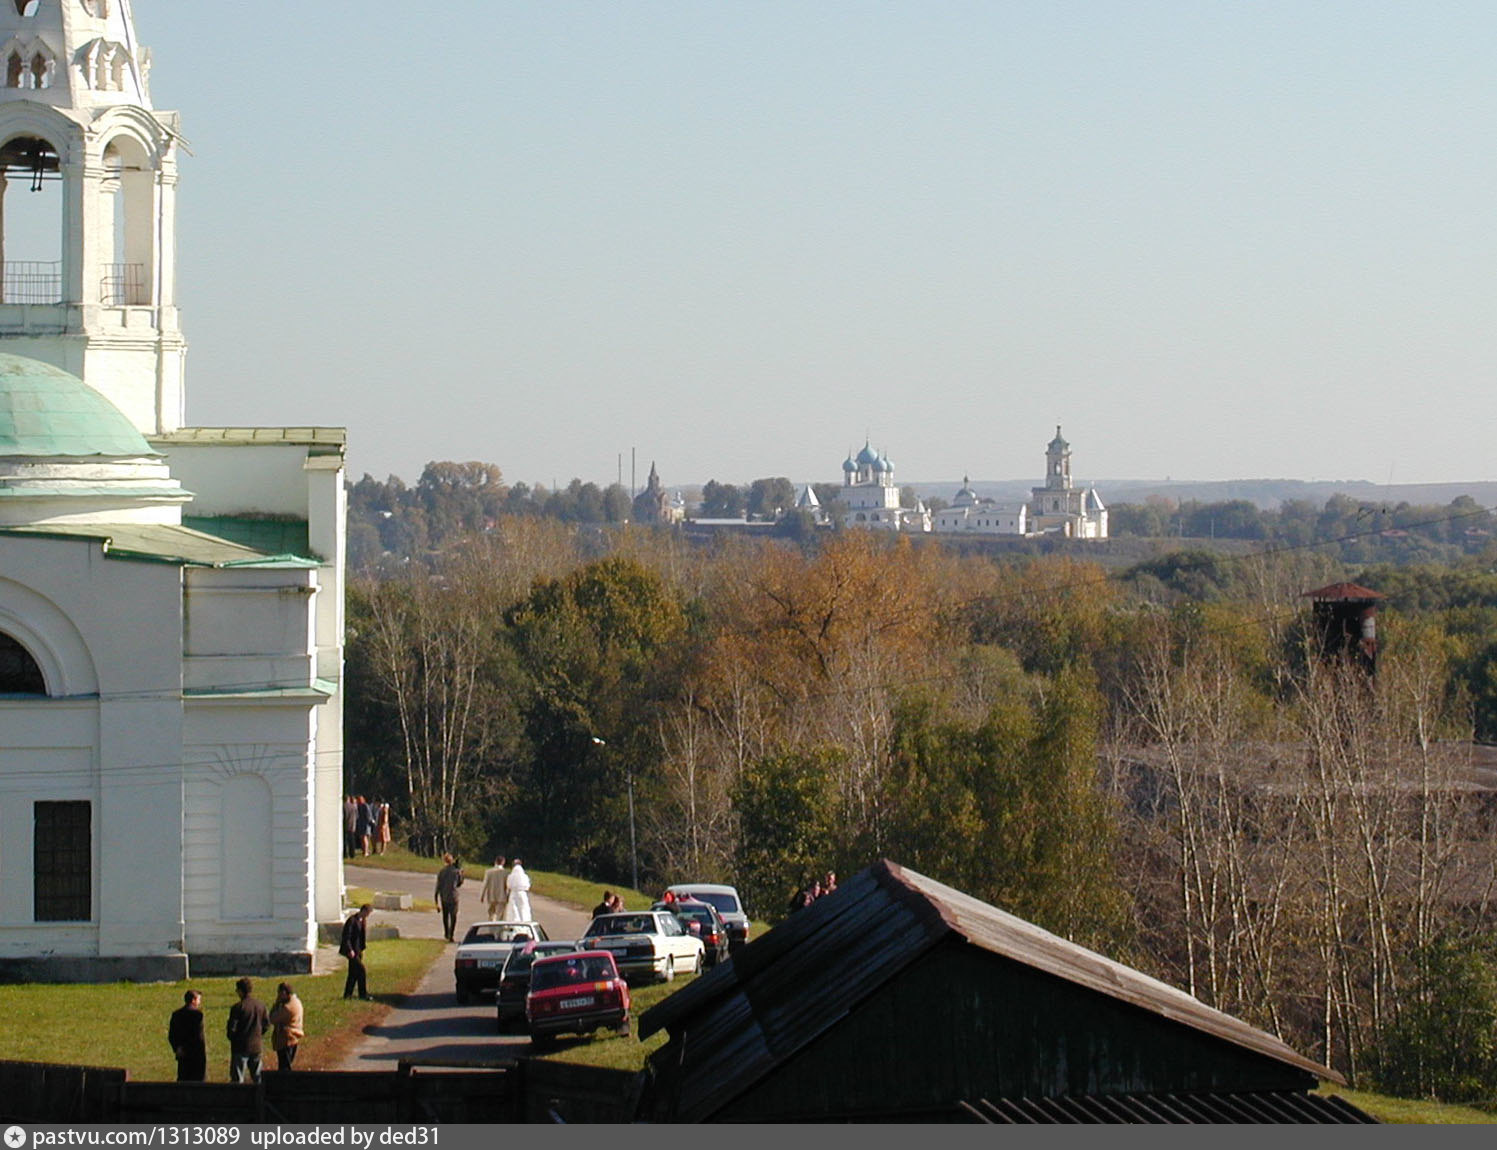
<point>269,536</point>
<point>45,411</point>
<point>163,543</point>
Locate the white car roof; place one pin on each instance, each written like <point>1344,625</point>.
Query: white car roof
<point>709,887</point>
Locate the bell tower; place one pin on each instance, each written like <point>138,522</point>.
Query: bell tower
<point>97,296</point>
<point>1058,463</point>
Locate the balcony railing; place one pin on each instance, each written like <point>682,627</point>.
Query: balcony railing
<point>124,285</point>
<point>31,281</point>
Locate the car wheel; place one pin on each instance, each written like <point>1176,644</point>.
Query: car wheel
<point>670,969</point>
<point>696,966</point>
<point>623,1029</point>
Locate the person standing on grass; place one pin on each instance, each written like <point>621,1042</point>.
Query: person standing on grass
<point>248,1022</point>
<point>382,828</point>
<point>188,1041</point>
<point>493,887</point>
<point>449,878</point>
<point>518,887</point>
<point>286,1016</point>
<point>351,946</point>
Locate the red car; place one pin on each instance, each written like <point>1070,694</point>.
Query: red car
<point>575,994</point>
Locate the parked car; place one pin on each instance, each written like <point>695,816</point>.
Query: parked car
<point>514,980</point>
<point>646,942</point>
<point>481,954</point>
<point>702,920</point>
<point>575,994</point>
<point>726,900</point>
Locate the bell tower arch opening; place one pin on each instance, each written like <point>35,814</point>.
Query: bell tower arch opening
<point>127,245</point>
<point>32,223</point>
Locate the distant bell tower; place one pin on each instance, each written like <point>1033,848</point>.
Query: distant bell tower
<point>1058,463</point>
<point>90,288</point>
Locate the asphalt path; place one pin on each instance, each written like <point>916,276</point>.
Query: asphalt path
<point>429,1025</point>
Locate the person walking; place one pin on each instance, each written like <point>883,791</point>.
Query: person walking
<point>449,878</point>
<point>493,887</point>
<point>517,885</point>
<point>188,1040</point>
<point>351,946</point>
<point>287,1016</point>
<point>248,1022</point>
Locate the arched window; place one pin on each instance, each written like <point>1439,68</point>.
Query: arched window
<point>19,673</point>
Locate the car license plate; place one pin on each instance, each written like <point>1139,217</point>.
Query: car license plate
<point>489,963</point>
<point>571,1003</point>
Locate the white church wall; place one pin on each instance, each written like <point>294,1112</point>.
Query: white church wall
<point>242,479</point>
<point>248,836</point>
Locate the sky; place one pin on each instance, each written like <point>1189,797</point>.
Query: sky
<point>1212,240</point>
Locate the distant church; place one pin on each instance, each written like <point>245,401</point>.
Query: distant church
<point>871,497</point>
<point>1060,507</point>
<point>171,597</point>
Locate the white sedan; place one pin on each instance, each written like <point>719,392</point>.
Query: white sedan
<point>481,955</point>
<point>649,942</point>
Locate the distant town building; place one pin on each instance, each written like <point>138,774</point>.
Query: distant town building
<point>871,496</point>
<point>807,501</point>
<point>655,505</point>
<point>1060,507</point>
<point>970,513</point>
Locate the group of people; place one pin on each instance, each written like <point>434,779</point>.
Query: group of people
<point>511,888</point>
<point>366,826</point>
<point>806,895</point>
<point>248,1021</point>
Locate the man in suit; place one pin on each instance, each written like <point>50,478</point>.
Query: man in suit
<point>449,878</point>
<point>248,1022</point>
<point>188,1042</point>
<point>493,887</point>
<point>351,946</point>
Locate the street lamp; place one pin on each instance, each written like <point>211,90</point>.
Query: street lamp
<point>633,849</point>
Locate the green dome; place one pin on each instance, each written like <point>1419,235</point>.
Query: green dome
<point>44,411</point>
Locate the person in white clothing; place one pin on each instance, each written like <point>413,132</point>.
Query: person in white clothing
<point>518,887</point>
<point>493,887</point>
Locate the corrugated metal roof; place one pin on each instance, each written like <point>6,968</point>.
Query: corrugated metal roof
<point>1171,1109</point>
<point>795,982</point>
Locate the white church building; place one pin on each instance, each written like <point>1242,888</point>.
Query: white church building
<point>171,597</point>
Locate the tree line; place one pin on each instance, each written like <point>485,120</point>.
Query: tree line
<point>1154,761</point>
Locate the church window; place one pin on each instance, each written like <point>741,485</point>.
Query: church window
<point>19,673</point>
<point>62,853</point>
<point>27,7</point>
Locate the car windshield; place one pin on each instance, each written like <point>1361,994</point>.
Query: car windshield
<point>701,914</point>
<point>499,932</point>
<point>570,971</point>
<point>725,903</point>
<point>624,924</point>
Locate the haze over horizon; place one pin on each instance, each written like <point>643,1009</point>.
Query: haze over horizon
<point>1211,241</point>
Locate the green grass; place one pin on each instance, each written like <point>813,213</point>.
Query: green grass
<point>123,1024</point>
<point>608,1049</point>
<point>355,896</point>
<point>1385,1108</point>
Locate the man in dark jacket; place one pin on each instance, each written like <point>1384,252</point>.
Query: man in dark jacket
<point>188,1042</point>
<point>248,1021</point>
<point>351,946</point>
<point>449,878</point>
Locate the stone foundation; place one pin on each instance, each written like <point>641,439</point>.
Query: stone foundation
<point>145,968</point>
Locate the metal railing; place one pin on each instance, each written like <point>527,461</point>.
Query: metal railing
<point>124,285</point>
<point>31,281</point>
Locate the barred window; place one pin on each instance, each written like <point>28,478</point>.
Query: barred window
<point>63,857</point>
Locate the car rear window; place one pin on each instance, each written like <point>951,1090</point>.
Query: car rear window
<point>725,903</point>
<point>624,924</point>
<point>566,972</point>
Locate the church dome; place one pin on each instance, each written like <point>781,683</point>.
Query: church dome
<point>848,465</point>
<point>867,457</point>
<point>47,412</point>
<point>1058,443</point>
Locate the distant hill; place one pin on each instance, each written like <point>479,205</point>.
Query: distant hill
<point>1265,493</point>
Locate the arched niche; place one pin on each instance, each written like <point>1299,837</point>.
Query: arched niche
<point>246,829</point>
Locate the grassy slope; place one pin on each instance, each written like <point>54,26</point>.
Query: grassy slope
<point>1410,1110</point>
<point>124,1023</point>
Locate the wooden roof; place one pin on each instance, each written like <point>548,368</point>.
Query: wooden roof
<point>1350,591</point>
<point>775,996</point>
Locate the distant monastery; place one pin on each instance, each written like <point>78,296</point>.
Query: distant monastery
<point>1057,507</point>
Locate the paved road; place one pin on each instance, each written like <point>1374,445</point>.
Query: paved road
<point>429,1023</point>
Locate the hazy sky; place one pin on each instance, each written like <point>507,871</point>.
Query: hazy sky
<point>1214,240</point>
